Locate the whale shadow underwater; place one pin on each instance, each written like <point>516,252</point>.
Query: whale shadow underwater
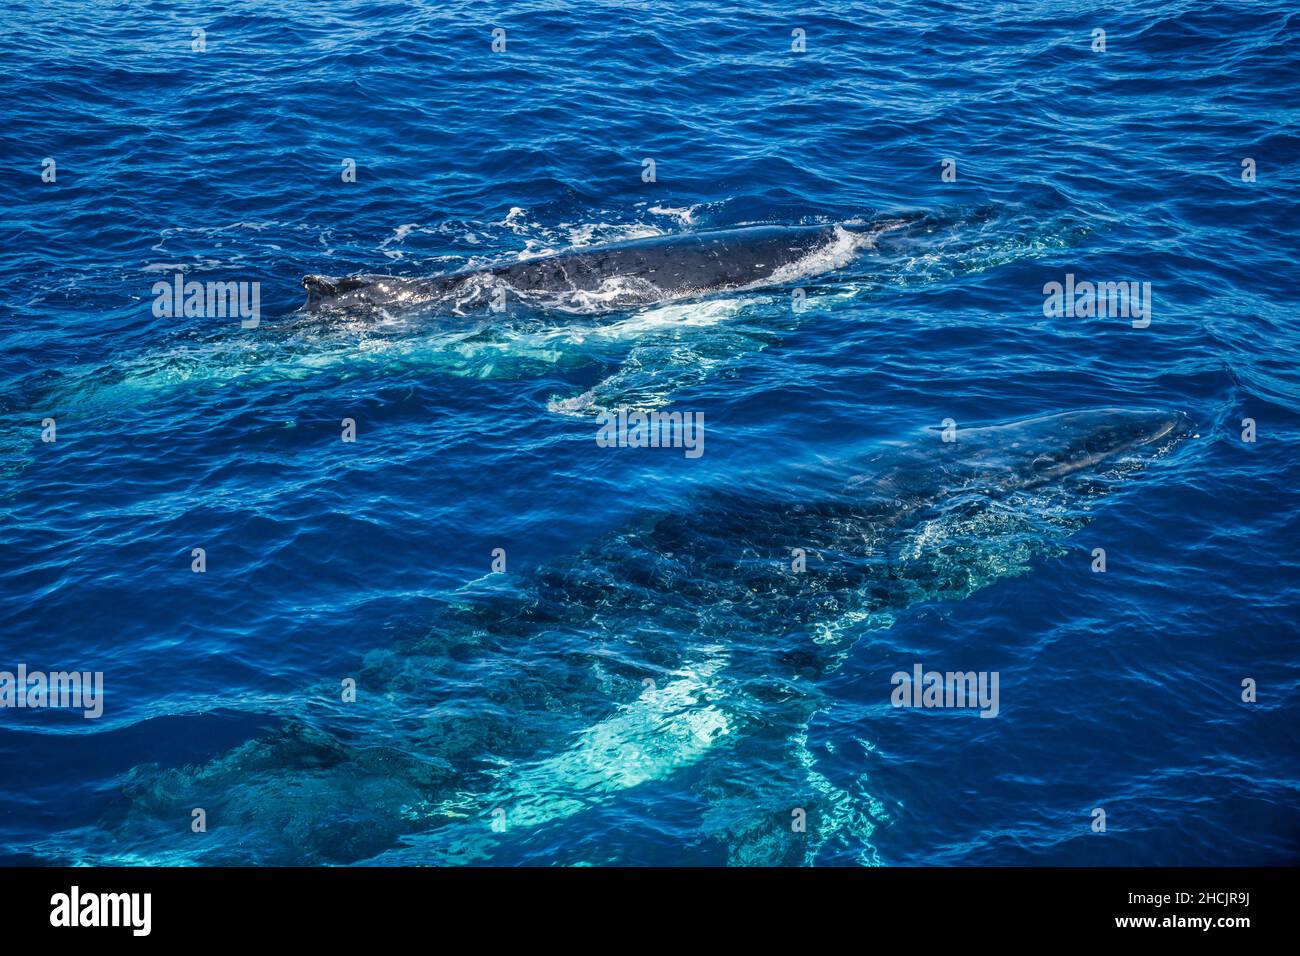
<point>682,644</point>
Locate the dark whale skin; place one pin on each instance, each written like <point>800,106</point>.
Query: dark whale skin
<point>635,272</point>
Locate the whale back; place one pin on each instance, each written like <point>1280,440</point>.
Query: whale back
<point>619,275</point>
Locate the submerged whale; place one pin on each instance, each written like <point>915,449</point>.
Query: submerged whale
<point>687,639</point>
<point>623,274</point>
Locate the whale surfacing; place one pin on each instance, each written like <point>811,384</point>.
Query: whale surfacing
<point>622,274</point>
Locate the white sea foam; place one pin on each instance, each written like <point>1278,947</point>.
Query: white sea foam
<point>515,219</point>
<point>843,248</point>
<point>684,215</point>
<point>399,236</point>
<point>598,233</point>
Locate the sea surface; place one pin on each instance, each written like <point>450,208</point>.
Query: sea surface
<point>570,711</point>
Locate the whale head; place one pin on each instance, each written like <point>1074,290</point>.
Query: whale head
<point>1021,454</point>
<point>1036,451</point>
<point>1053,446</point>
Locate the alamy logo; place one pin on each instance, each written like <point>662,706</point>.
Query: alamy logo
<point>208,300</point>
<point>1102,300</point>
<point>75,689</point>
<point>103,909</point>
<point>635,429</point>
<point>927,689</point>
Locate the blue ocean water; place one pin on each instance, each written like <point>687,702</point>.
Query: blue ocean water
<point>327,560</point>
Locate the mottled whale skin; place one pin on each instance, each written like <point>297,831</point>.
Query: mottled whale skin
<point>700,648</point>
<point>623,274</point>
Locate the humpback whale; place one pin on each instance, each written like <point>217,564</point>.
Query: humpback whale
<point>654,350</point>
<point>623,274</point>
<point>683,640</point>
